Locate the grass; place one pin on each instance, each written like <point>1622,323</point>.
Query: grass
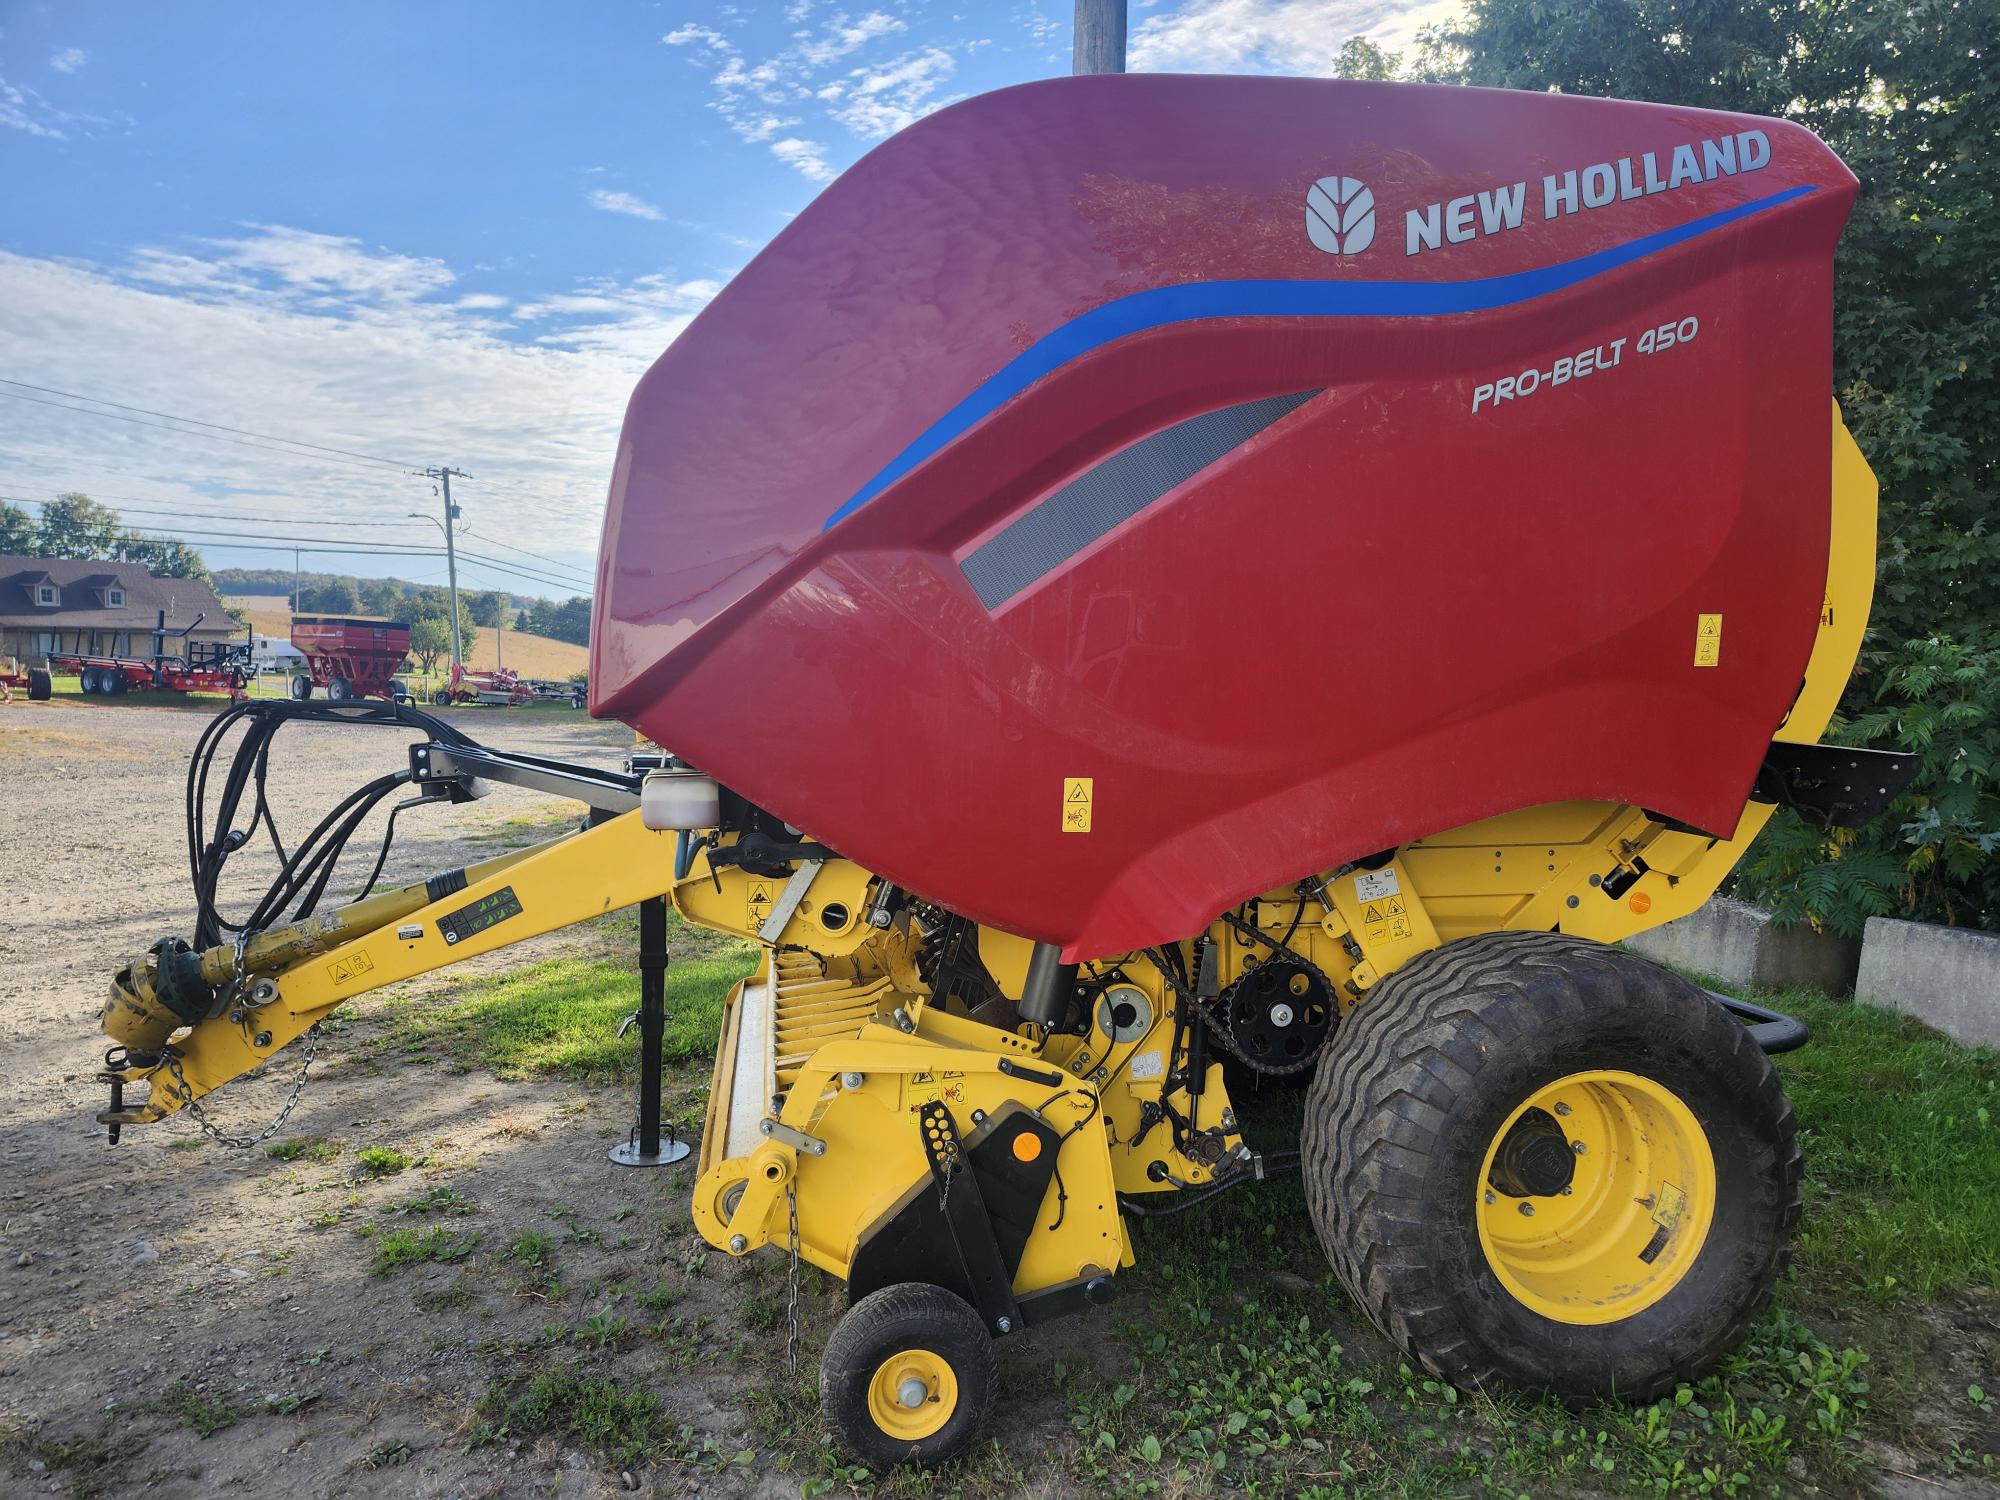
<point>380,1161</point>
<point>1237,1366</point>
<point>559,1019</point>
<point>1902,1140</point>
<point>398,1249</point>
<point>304,1148</point>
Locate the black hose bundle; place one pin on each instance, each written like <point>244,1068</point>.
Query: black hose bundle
<point>305,872</point>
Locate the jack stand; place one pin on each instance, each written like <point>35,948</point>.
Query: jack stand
<point>644,1148</point>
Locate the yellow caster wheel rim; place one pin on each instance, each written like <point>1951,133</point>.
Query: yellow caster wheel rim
<point>1596,1197</point>
<point>912,1394</point>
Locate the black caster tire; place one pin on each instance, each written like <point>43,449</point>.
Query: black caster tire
<point>1543,1163</point>
<point>908,1377</point>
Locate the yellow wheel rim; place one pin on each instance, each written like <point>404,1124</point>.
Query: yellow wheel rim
<point>1636,1213</point>
<point>912,1394</point>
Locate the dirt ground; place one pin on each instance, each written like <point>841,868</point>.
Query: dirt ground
<point>180,1318</point>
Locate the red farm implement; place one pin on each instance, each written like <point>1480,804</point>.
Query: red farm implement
<point>498,688</point>
<point>350,658</point>
<point>200,667</point>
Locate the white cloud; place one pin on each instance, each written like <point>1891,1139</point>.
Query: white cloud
<point>613,201</point>
<point>69,60</point>
<point>882,100</point>
<point>1283,36</point>
<point>806,157</point>
<point>841,37</point>
<point>765,99</point>
<point>316,337</point>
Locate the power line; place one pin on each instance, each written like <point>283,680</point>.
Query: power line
<point>555,575</point>
<point>192,513</point>
<point>197,422</point>
<point>213,437</point>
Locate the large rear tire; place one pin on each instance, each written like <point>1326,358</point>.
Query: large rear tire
<point>1541,1162</point>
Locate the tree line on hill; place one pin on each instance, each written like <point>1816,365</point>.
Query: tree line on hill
<point>399,599</point>
<point>1909,97</point>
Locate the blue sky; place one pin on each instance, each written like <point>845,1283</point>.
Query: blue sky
<point>447,233</point>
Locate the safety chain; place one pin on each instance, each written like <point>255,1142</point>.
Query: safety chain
<point>222,1137</point>
<point>792,1284</point>
<point>1217,1026</point>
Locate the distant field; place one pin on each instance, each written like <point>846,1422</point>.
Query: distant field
<point>530,655</point>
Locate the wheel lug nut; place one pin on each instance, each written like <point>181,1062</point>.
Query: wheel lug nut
<point>1579,1148</point>
<point>1489,1195</point>
<point>1528,1209</point>
<point>1562,1109</point>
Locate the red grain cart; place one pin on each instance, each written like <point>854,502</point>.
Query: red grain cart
<point>350,658</point>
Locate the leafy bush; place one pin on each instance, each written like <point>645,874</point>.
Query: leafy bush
<point>1935,855</point>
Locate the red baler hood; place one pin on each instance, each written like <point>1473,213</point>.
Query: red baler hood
<point>1310,465</point>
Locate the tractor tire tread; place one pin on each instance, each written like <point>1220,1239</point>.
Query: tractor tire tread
<point>1411,1035</point>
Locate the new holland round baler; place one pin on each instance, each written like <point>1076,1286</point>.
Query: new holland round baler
<point>1155,584</point>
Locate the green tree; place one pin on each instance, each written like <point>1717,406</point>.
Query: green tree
<point>486,607</point>
<point>18,533</point>
<point>165,559</point>
<point>430,638</point>
<point>1362,59</point>
<point>336,596</point>
<point>76,526</point>
<point>565,621</point>
<point>381,597</point>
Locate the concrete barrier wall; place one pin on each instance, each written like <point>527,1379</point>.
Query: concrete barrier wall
<point>1738,945</point>
<point>1946,977</point>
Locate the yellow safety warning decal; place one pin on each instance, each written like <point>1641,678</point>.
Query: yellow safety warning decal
<point>1826,612</point>
<point>1076,804</point>
<point>757,902</point>
<point>1668,1205</point>
<point>1386,921</point>
<point>1708,641</point>
<point>349,968</point>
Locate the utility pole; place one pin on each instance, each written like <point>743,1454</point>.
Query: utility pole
<point>444,476</point>
<point>1100,37</point>
<point>295,580</point>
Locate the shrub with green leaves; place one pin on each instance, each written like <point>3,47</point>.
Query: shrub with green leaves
<point>1935,855</point>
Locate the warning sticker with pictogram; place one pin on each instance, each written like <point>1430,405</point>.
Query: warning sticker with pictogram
<point>349,968</point>
<point>1708,641</point>
<point>1076,803</point>
<point>757,902</point>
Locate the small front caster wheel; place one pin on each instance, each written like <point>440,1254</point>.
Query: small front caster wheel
<point>908,1377</point>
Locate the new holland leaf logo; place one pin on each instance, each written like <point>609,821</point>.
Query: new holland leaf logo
<point>1340,215</point>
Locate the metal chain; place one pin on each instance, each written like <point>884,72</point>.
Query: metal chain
<point>222,1137</point>
<point>792,1284</point>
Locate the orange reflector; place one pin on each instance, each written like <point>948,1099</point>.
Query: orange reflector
<point>1027,1146</point>
<point>1640,902</point>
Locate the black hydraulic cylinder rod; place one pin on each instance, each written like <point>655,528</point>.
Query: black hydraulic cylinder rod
<point>1050,989</point>
<point>652,1018</point>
